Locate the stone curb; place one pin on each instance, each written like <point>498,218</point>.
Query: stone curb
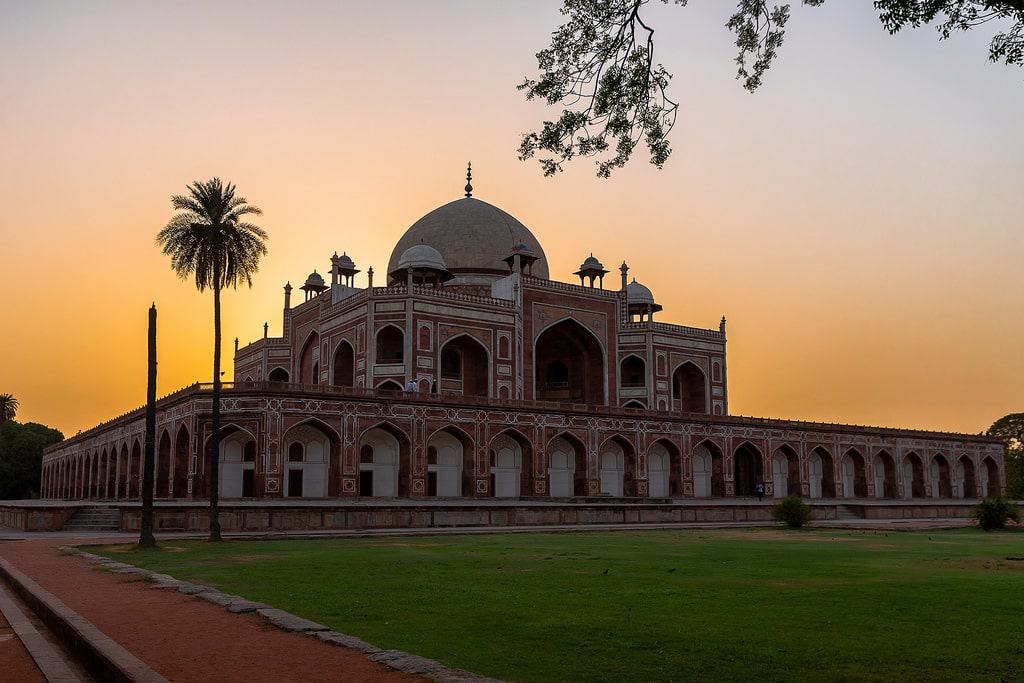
<point>103,657</point>
<point>394,659</point>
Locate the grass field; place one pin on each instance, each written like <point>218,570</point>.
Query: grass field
<point>651,605</point>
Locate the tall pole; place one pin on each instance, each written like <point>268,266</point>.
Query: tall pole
<point>146,539</point>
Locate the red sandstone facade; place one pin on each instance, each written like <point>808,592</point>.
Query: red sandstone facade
<point>471,374</point>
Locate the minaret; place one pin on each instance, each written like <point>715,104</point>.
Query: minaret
<point>624,269</point>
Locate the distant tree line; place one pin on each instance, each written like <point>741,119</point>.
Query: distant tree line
<point>21,452</point>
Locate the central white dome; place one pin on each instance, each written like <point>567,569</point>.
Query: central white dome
<point>473,237</point>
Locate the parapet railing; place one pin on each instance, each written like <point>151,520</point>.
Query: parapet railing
<point>569,287</point>
<point>674,329</point>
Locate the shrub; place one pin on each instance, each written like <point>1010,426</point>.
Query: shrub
<point>993,513</point>
<point>793,511</point>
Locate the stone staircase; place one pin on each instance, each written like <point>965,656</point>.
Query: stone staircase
<point>94,518</point>
<point>849,512</point>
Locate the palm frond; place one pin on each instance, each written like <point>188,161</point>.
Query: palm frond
<point>207,240</point>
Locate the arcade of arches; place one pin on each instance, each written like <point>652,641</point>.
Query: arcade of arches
<point>453,465</point>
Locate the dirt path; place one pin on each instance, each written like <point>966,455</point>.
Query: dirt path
<point>181,637</point>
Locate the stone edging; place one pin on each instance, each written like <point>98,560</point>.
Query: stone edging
<point>394,659</point>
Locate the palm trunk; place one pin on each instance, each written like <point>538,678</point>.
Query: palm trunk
<point>146,539</point>
<point>214,455</point>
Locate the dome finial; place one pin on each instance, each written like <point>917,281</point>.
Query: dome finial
<point>469,179</point>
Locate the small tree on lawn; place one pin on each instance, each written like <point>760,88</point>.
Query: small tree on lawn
<point>994,513</point>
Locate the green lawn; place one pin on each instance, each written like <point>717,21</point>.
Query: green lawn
<point>651,605</point>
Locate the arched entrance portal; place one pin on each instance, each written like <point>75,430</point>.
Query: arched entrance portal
<point>617,468</point>
<point>384,462</point>
<point>163,467</point>
<point>885,476</point>
<point>785,472</point>
<point>567,467</point>
<point>708,471</point>
<point>941,485</point>
<point>308,364</point>
<point>689,389</point>
<point>913,477</point>
<point>181,458</point>
<point>506,467</point>
<point>662,465</point>
<point>966,481</point>
<point>569,365</point>
<point>821,478</point>
<point>447,465</point>
<point>307,449</point>
<point>747,471</point>
<point>344,365</point>
<point>464,367</point>
<point>855,483</point>
<point>990,478</point>
<point>237,463</point>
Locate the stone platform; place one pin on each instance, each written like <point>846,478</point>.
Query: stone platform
<point>379,513</point>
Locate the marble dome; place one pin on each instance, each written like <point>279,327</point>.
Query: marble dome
<point>473,238</point>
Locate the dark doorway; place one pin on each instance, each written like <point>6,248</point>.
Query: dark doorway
<point>295,483</point>
<point>366,483</point>
<point>248,483</point>
<point>747,470</point>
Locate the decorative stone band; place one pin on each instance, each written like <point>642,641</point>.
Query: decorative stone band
<point>394,659</point>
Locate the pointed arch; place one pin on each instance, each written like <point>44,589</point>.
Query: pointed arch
<point>689,388</point>
<point>385,452</point>
<point>308,359</point>
<point>748,469</point>
<point>343,365</point>
<point>617,466</point>
<point>318,446</point>
<point>966,478</point>
<point>913,476</point>
<point>390,385</point>
<point>163,465</point>
<point>567,465</point>
<point>451,466</point>
<point>885,475</point>
<point>632,372</point>
<point>465,364</point>
<point>569,364</point>
<point>785,472</point>
<point>182,458</point>
<point>854,474</point>
<point>821,473</point>
<point>708,463</point>
<point>664,469</point>
<point>990,471</point>
<point>135,470</point>
<point>941,481</point>
<point>504,449</point>
<point>634,405</point>
<point>390,344</point>
<point>278,375</point>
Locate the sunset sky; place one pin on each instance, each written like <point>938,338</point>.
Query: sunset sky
<point>859,220</point>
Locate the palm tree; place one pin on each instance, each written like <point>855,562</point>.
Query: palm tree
<point>209,241</point>
<point>8,407</point>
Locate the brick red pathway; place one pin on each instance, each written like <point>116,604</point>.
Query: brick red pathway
<point>181,637</point>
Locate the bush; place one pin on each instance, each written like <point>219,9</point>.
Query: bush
<point>993,513</point>
<point>793,511</point>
